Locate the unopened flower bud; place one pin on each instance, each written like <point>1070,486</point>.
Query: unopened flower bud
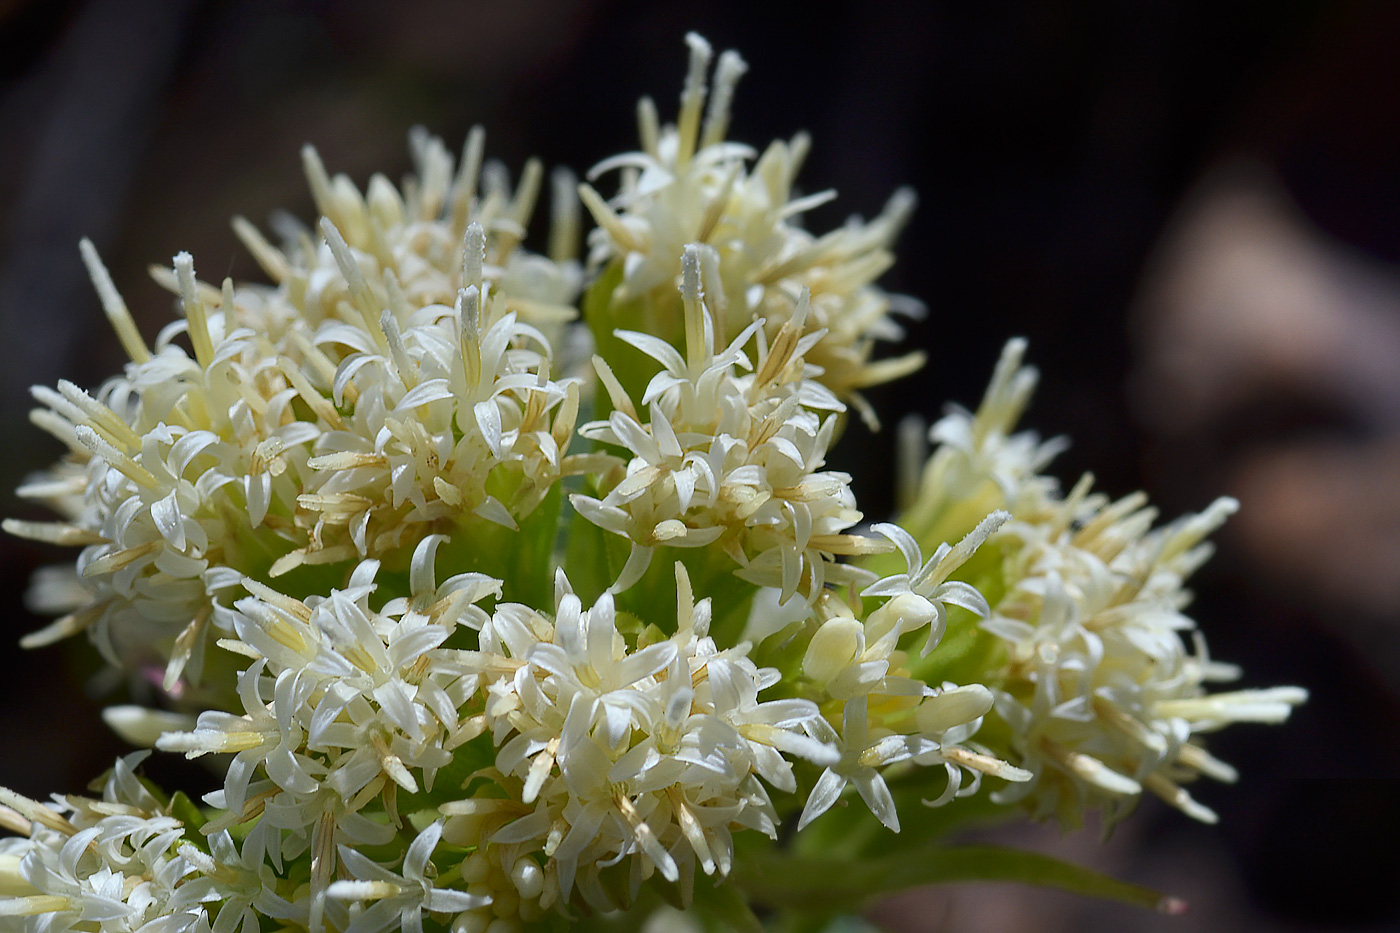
<point>833,648</point>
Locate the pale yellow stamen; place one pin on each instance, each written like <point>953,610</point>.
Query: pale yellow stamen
<point>113,305</point>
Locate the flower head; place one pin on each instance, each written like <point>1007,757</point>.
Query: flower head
<point>1103,682</point>
<point>689,185</point>
<point>728,458</point>
<point>399,364</point>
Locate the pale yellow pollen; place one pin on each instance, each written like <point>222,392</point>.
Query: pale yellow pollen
<point>730,69</point>
<point>534,410</point>
<point>367,793</point>
<point>796,262</point>
<point>59,427</point>
<point>1129,726</point>
<point>315,400</point>
<point>268,257</point>
<point>196,312</point>
<point>113,305</point>
<point>469,334</point>
<point>1194,756</point>
<point>621,401</point>
<point>564,216</point>
<point>692,298</point>
<point>60,533</point>
<point>101,418</point>
<point>347,460</point>
<point>776,361</point>
<point>361,297</point>
<point>878,372</point>
<point>111,563</point>
<point>184,647</point>
<point>691,828</point>
<point>646,838</point>
<point>36,812</point>
<point>12,821</point>
<point>714,210</point>
<point>325,369</point>
<point>234,646</point>
<point>392,764</point>
<point>648,126</point>
<point>764,430</point>
<point>446,491</point>
<point>491,208</point>
<point>1091,769</point>
<point>539,312</point>
<point>987,764</point>
<point>293,607</point>
<point>404,365</point>
<point>464,190</point>
<point>33,904</point>
<point>252,808</point>
<point>621,234</point>
<point>359,656</point>
<point>1088,536</point>
<point>1180,798</point>
<point>850,545</point>
<point>832,649</point>
<point>540,768</point>
<point>323,861</point>
<point>527,192</point>
<point>692,98</point>
<point>312,557</point>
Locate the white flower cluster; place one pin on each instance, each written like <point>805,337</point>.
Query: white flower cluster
<point>375,390</point>
<point>729,459</point>
<point>126,864</point>
<point>343,709</point>
<point>689,185</point>
<point>262,517</point>
<point>654,753</point>
<point>114,865</point>
<point>1101,691</point>
<point>884,715</point>
<point>603,752</point>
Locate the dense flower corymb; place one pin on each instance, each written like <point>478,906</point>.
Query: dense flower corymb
<point>500,590</point>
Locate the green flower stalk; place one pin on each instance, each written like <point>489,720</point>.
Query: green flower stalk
<point>503,590</point>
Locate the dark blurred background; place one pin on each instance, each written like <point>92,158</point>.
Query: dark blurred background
<point>1191,209</point>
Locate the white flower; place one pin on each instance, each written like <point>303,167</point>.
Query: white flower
<point>920,596</point>
<point>689,185</point>
<point>1104,680</point>
<point>652,752</point>
<point>980,463</point>
<point>400,900</point>
<point>340,696</point>
<point>730,459</point>
<point>851,663</point>
<point>193,467</point>
<point>110,865</point>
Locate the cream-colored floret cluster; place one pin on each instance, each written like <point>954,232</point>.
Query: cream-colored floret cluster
<point>877,714</point>
<point>1102,684</point>
<point>116,865</point>
<point>689,185</point>
<point>399,365</point>
<point>378,546</point>
<point>125,864</point>
<point>729,460</point>
<point>655,752</point>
